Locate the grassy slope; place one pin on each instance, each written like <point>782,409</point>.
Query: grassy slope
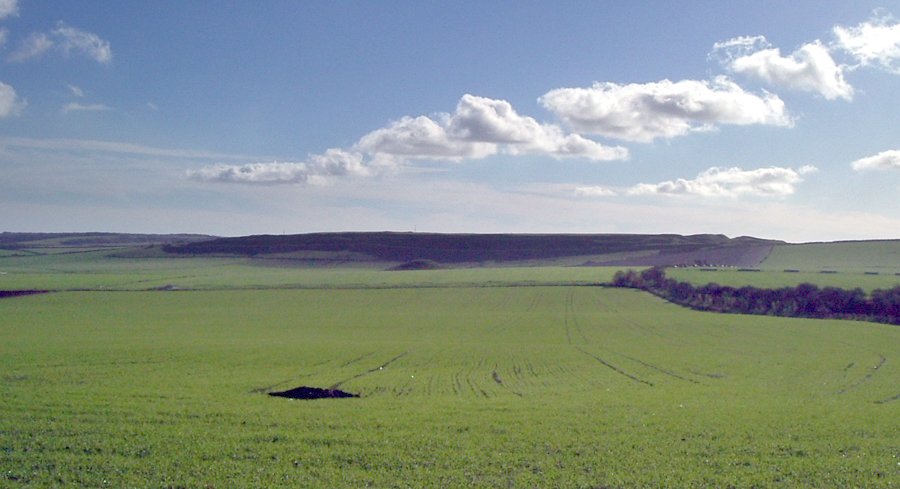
<point>866,264</point>
<point>872,256</point>
<point>151,389</point>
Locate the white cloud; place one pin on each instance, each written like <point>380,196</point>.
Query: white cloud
<point>665,109</point>
<point>66,40</point>
<point>595,191</point>
<point>729,182</point>
<point>421,138</point>
<point>480,119</point>
<point>70,39</point>
<point>317,170</point>
<point>886,160</point>
<point>152,106</point>
<point>479,127</point>
<point>810,68</point>
<point>76,91</point>
<point>8,8</point>
<point>876,42</point>
<point>4,35</point>
<point>77,107</point>
<point>10,103</point>
<point>33,46</point>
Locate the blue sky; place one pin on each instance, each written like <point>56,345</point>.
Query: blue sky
<point>771,119</point>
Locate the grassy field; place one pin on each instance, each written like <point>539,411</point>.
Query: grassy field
<point>512,377</point>
<point>461,387</point>
<point>97,270</point>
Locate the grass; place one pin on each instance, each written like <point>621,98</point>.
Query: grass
<point>480,386</point>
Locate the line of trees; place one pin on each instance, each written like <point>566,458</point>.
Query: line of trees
<point>805,300</point>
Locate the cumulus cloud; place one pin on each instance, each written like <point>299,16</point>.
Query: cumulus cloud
<point>876,42</point>
<point>8,8</point>
<point>486,120</point>
<point>729,182</point>
<point>810,68</point>
<point>886,160</point>
<point>664,109</point>
<point>77,107</point>
<point>421,138</point>
<point>317,170</point>
<point>10,103</point>
<point>66,40</point>
<point>480,127</point>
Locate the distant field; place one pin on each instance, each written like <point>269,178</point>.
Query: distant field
<point>871,256</point>
<point>98,271</point>
<point>499,386</point>
<point>772,279</point>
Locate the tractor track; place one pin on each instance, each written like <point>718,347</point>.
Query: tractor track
<point>370,371</point>
<point>614,368</point>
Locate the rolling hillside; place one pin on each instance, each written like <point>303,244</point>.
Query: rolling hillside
<point>587,249</point>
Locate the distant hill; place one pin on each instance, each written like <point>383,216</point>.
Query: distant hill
<point>457,249</point>
<point>14,241</point>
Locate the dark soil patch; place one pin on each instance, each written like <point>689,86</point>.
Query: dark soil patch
<point>418,265</point>
<point>304,392</point>
<point>17,293</point>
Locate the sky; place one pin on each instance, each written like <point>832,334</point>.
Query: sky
<point>764,118</point>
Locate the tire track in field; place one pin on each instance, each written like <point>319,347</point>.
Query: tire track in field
<point>370,371</point>
<point>263,390</point>
<point>351,362</point>
<point>658,369</point>
<point>866,377</point>
<point>613,367</point>
<point>499,380</point>
<point>571,324</point>
<point>889,399</point>
<point>570,312</point>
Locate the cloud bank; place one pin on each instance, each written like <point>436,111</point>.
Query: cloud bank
<point>478,128</point>
<point>886,160</point>
<point>716,182</point>
<point>316,170</point>
<point>664,109</point>
<point>730,182</point>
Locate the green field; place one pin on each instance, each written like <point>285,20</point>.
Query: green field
<point>513,377</point>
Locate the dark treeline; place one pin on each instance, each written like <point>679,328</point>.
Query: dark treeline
<point>805,300</point>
